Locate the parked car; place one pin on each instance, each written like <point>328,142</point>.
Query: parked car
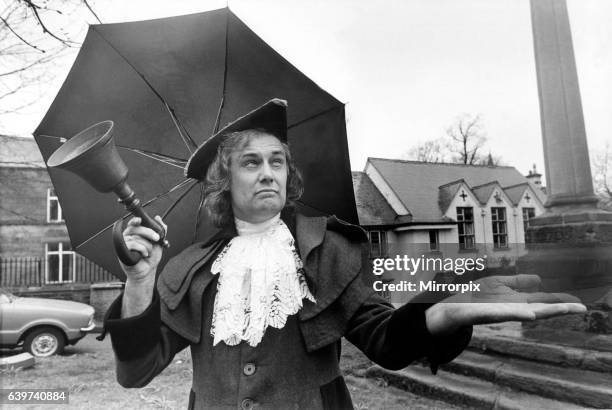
<point>42,326</point>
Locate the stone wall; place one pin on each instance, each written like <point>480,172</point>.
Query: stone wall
<point>102,295</point>
<point>98,295</point>
<point>74,292</point>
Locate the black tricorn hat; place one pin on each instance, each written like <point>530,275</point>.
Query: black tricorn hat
<point>270,117</point>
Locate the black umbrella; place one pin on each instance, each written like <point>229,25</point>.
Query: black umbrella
<point>168,84</point>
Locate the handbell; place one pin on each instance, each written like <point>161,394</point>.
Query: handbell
<point>92,155</point>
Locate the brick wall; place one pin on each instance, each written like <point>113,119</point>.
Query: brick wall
<point>23,193</point>
<point>24,229</point>
<point>29,240</point>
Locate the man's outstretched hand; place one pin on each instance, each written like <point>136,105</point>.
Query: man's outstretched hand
<point>500,299</point>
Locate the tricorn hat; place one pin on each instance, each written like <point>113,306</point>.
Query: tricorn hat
<point>270,117</point>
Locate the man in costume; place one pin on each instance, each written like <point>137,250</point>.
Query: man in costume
<point>264,303</point>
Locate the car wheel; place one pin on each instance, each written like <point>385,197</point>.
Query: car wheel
<point>44,342</point>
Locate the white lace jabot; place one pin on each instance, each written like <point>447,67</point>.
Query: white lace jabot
<point>261,282</point>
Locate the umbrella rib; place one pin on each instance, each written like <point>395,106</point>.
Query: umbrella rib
<point>171,207</point>
<point>61,139</point>
<point>174,188</point>
<point>222,102</point>
<point>106,228</point>
<point>187,140</point>
<point>312,117</point>
<point>200,205</point>
<point>314,208</point>
<point>191,144</point>
<point>175,162</point>
<point>216,128</point>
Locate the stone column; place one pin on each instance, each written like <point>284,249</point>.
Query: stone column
<point>568,174</point>
<point>570,245</point>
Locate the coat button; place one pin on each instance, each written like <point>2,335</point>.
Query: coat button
<point>247,404</point>
<point>249,369</point>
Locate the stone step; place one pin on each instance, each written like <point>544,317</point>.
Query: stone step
<point>549,336</point>
<point>535,350</point>
<point>583,387</point>
<point>17,361</point>
<point>465,391</point>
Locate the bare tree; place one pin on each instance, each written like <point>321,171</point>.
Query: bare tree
<point>601,165</point>
<point>463,143</point>
<point>467,138</point>
<point>34,34</point>
<point>429,151</point>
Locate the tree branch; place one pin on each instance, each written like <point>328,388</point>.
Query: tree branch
<point>11,92</point>
<point>34,9</point>
<point>15,109</point>
<point>19,37</point>
<point>27,67</point>
<point>92,11</point>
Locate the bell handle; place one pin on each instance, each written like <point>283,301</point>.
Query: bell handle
<point>126,256</point>
<point>132,204</point>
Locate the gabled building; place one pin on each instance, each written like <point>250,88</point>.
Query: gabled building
<point>35,247</point>
<point>447,210</point>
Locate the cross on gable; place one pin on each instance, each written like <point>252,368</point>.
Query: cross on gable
<point>463,195</point>
<point>527,197</point>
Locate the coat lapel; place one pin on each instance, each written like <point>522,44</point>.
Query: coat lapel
<point>178,274</point>
<point>336,262</point>
<point>176,277</point>
<point>310,232</point>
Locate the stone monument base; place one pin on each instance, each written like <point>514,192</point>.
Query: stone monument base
<point>571,250</point>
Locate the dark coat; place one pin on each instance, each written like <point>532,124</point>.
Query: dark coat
<point>296,366</point>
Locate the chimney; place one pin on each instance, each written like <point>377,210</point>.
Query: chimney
<point>534,177</point>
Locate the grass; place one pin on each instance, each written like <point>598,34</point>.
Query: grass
<point>87,371</point>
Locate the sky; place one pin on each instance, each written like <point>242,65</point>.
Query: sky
<point>406,69</point>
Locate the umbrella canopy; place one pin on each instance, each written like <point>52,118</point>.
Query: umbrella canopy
<point>168,84</point>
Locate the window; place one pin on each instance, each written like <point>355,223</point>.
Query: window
<point>465,217</point>
<point>59,262</point>
<point>378,244</point>
<point>434,241</point>
<point>54,211</point>
<point>528,213</point>
<point>500,232</point>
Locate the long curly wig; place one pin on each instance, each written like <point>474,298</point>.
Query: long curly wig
<point>218,200</point>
